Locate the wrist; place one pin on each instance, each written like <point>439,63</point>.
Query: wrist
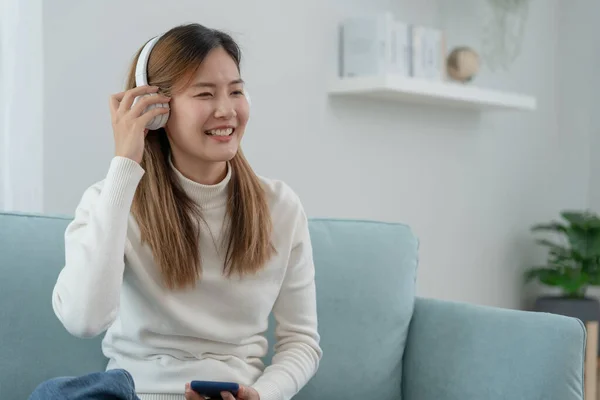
<point>267,391</point>
<point>122,180</point>
<point>137,160</point>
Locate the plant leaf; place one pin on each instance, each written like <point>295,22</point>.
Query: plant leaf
<point>576,264</point>
<point>585,242</point>
<point>575,218</point>
<point>549,276</point>
<point>569,279</point>
<point>555,248</point>
<point>552,226</point>
<point>582,219</point>
<point>594,279</point>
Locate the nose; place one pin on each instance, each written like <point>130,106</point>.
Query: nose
<point>225,109</point>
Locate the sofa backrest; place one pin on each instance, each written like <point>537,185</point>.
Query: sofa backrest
<point>365,278</point>
<point>365,275</point>
<point>34,346</point>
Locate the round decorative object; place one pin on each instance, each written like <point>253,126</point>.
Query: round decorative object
<point>462,64</point>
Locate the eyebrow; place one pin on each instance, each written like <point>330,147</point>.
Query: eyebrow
<point>208,84</point>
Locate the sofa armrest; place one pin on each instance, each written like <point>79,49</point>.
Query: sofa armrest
<point>459,351</point>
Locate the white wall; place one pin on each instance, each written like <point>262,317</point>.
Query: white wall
<point>579,63</point>
<point>581,66</point>
<point>21,105</point>
<point>469,184</point>
<point>580,88</point>
<point>3,157</point>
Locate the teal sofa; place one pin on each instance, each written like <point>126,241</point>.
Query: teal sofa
<point>380,341</point>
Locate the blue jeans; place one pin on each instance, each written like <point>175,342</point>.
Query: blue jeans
<point>114,384</point>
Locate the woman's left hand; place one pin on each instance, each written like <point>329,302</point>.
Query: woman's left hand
<point>244,393</point>
<point>191,395</point>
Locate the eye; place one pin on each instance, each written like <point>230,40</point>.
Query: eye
<point>238,93</point>
<point>203,94</point>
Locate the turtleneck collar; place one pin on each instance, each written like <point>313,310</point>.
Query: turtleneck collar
<point>206,196</point>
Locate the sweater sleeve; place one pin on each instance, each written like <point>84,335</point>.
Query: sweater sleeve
<point>86,295</point>
<point>297,350</point>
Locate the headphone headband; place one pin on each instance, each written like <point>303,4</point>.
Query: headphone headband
<point>141,68</point>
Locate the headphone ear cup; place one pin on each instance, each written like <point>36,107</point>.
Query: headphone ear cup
<point>160,120</point>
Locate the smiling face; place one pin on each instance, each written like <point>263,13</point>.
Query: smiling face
<point>209,115</point>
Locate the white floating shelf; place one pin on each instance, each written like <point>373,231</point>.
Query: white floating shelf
<point>421,91</point>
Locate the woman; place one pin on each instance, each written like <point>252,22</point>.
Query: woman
<point>181,253</point>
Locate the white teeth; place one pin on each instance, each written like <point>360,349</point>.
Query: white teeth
<point>221,132</point>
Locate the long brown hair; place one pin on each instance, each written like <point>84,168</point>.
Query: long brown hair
<point>167,217</point>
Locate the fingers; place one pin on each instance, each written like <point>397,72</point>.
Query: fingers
<point>128,96</point>
<point>114,103</point>
<point>147,116</point>
<point>242,392</point>
<point>145,101</point>
<point>191,395</point>
<point>118,96</point>
<point>228,396</point>
<point>121,102</point>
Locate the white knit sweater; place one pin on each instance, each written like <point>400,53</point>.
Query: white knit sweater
<point>215,331</point>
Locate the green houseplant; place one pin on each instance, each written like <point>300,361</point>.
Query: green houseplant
<point>573,265</point>
<point>573,262</point>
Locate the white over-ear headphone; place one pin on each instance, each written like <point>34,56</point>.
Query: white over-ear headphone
<point>141,79</point>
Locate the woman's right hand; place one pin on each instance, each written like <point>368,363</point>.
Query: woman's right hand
<point>129,123</point>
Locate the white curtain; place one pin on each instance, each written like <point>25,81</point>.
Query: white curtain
<point>21,105</point>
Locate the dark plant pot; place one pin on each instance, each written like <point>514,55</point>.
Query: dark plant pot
<point>583,308</point>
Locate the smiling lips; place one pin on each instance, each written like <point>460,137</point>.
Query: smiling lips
<point>221,131</point>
